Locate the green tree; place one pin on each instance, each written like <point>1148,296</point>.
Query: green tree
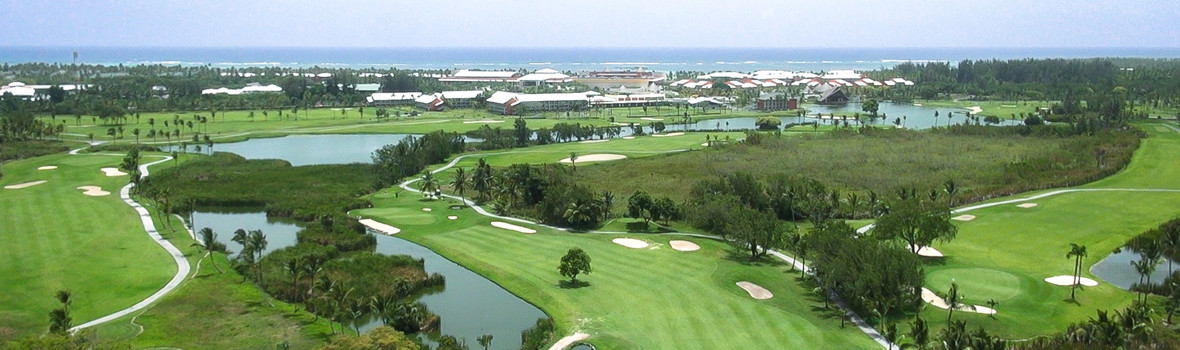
<point>953,300</point>
<point>574,160</point>
<point>209,244</point>
<point>639,206</point>
<point>768,123</point>
<point>521,132</point>
<point>918,223</point>
<point>871,106</point>
<point>60,320</point>
<point>1077,252</point>
<point>919,333</point>
<point>429,183</point>
<point>460,183</point>
<point>380,338</point>
<point>485,341</point>
<point>574,262</point>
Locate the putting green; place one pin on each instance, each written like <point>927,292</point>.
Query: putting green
<point>401,216</point>
<point>977,284</point>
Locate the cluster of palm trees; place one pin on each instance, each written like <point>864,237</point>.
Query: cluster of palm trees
<point>253,245</point>
<point>1154,247</point>
<point>342,304</point>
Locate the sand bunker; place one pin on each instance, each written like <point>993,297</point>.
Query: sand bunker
<point>653,119</point>
<point>23,185</point>
<point>866,228</point>
<point>113,171</point>
<point>975,110</point>
<point>426,209</point>
<point>598,157</point>
<point>630,243</point>
<point>756,291</point>
<point>593,141</point>
<point>507,226</point>
<point>47,167</point>
<point>1027,205</point>
<point>933,299</point>
<point>93,191</point>
<point>628,137</point>
<point>926,251</point>
<point>383,228</point>
<point>1067,280</point>
<point>452,217</point>
<point>684,246</point>
<point>482,121</point>
<point>964,217</point>
<point>669,134</point>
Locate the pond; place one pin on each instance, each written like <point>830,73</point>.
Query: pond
<point>1116,269</point>
<point>915,117</point>
<point>308,149</point>
<point>225,220</point>
<point>469,305</point>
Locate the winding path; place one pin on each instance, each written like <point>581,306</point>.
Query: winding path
<point>566,341</point>
<point>145,217</point>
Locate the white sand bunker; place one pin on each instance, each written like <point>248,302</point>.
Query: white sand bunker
<point>426,209</point>
<point>380,227</point>
<point>597,157</point>
<point>47,167</point>
<point>482,121</point>
<point>93,191</point>
<point>669,134</point>
<point>593,141</point>
<point>1067,280</point>
<point>1027,205</point>
<point>975,110</point>
<point>630,243</point>
<point>653,119</point>
<point>684,246</point>
<point>964,217</point>
<point>452,217</point>
<point>507,226</point>
<point>933,299</point>
<point>113,171</point>
<point>864,229</point>
<point>926,251</point>
<point>23,185</point>
<point>628,137</point>
<point>756,291</point>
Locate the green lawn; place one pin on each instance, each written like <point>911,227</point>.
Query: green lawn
<point>57,238</point>
<point>1007,251</point>
<point>637,298</point>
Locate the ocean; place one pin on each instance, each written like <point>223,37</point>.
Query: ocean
<point>566,59</point>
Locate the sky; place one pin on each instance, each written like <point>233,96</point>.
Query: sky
<point>590,23</point>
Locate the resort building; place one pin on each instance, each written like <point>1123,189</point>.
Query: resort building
<point>468,76</point>
<point>830,94</point>
<point>628,79</point>
<point>248,89</point>
<point>392,98</point>
<point>447,99</point>
<point>544,76</point>
<point>776,101</point>
<point>632,100</point>
<point>510,103</point>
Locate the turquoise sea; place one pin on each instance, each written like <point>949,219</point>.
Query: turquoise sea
<point>573,59</point>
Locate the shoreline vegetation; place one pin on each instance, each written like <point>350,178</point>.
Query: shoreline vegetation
<point>1086,122</point>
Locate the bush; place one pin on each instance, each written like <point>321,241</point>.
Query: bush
<point>538,337</point>
<point>768,123</point>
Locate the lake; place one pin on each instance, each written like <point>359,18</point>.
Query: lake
<point>1116,269</point>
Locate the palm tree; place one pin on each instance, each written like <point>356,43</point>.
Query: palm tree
<point>485,341</point>
<point>60,321</point>
<point>429,183</point>
<point>1077,252</point>
<point>608,202</point>
<point>459,184</point>
<point>1145,268</point>
<point>574,160</point>
<point>919,333</point>
<point>1170,244</point>
<point>953,300</point>
<point>257,243</point>
<point>951,189</point>
<point>136,133</point>
<point>577,213</point>
<point>208,242</point>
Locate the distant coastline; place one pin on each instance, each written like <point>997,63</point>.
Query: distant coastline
<point>567,59</point>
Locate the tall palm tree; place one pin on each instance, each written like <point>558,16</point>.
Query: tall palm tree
<point>1145,268</point>
<point>208,242</point>
<point>1077,252</point>
<point>953,300</point>
<point>257,244</point>
<point>459,184</point>
<point>574,160</point>
<point>60,321</point>
<point>577,213</point>
<point>919,333</point>
<point>1170,244</point>
<point>429,183</point>
<point>608,202</point>
<point>485,341</point>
